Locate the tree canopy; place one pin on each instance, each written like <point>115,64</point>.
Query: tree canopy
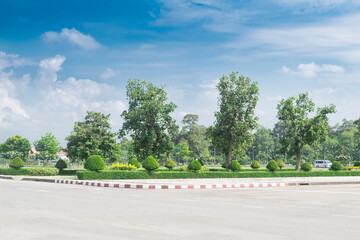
<point>48,146</point>
<point>148,119</point>
<point>300,128</point>
<point>15,146</point>
<point>236,118</point>
<point>93,136</point>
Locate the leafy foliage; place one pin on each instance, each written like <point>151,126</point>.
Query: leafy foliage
<point>48,146</point>
<point>281,164</point>
<point>124,167</point>
<point>336,166</point>
<point>170,164</point>
<point>255,165</point>
<point>148,119</point>
<point>194,166</point>
<point>272,166</point>
<point>357,164</point>
<point>61,164</point>
<point>94,163</point>
<point>15,146</point>
<point>306,167</point>
<point>150,164</point>
<point>93,136</point>
<point>16,163</point>
<point>236,118</point>
<point>134,162</point>
<point>234,166</point>
<point>42,171</point>
<point>300,129</point>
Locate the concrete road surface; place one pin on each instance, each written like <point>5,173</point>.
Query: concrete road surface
<point>47,211</point>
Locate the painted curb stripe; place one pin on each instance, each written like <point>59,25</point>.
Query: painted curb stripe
<point>152,186</point>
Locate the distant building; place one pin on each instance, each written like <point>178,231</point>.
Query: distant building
<point>63,155</point>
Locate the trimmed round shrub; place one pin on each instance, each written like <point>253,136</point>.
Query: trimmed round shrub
<point>201,162</point>
<point>183,168</point>
<point>194,165</point>
<point>16,163</point>
<point>134,162</point>
<point>255,165</point>
<point>336,166</point>
<point>306,167</point>
<point>223,165</point>
<point>234,166</point>
<point>94,163</point>
<point>272,166</point>
<point>170,164</point>
<point>60,164</point>
<point>150,164</point>
<point>357,164</point>
<point>281,164</point>
<point>204,169</point>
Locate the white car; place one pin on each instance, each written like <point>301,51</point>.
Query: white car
<point>323,164</point>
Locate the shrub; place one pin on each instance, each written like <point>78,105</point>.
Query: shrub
<point>12,171</point>
<point>82,175</point>
<point>183,168</point>
<point>234,166</point>
<point>16,163</point>
<point>61,164</point>
<point>194,166</point>
<point>280,164</point>
<point>255,165</point>
<point>94,163</point>
<point>204,169</point>
<point>272,166</point>
<point>223,165</point>
<point>356,164</point>
<point>336,166</point>
<point>170,164</point>
<point>150,164</point>
<point>42,171</point>
<point>134,162</point>
<point>201,162</point>
<point>124,167</point>
<point>306,167</point>
<point>70,172</point>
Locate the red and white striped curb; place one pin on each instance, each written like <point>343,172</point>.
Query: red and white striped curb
<point>172,186</point>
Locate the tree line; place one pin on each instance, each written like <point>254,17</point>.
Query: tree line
<point>302,132</point>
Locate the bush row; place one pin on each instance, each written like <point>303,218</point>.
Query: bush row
<point>30,171</point>
<point>91,175</point>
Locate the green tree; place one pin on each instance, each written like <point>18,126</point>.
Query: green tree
<point>93,136</point>
<point>48,146</point>
<point>148,119</point>
<point>235,119</point>
<point>15,146</point>
<point>263,141</point>
<point>300,129</point>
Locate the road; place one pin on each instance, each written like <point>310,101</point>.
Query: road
<point>48,211</point>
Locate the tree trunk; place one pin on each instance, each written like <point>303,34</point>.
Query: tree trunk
<point>228,157</point>
<point>298,158</point>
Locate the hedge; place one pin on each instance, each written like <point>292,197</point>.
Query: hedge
<point>89,175</point>
<point>68,172</point>
<point>30,171</point>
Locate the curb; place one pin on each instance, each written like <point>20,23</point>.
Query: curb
<point>172,186</point>
<point>7,177</point>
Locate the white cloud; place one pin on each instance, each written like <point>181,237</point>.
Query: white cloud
<point>337,38</point>
<point>310,70</point>
<point>72,36</point>
<point>209,84</point>
<point>214,15</point>
<point>305,6</point>
<point>49,67</point>
<point>9,104</point>
<point>109,73</point>
<point>12,60</point>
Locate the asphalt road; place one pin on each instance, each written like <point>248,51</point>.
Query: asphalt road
<point>47,211</point>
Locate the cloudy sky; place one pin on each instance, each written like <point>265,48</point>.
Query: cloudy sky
<point>59,59</point>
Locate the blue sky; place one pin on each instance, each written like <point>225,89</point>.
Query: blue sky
<point>59,59</point>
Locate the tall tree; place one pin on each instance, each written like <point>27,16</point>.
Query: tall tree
<point>148,119</point>
<point>48,146</point>
<point>93,136</point>
<point>300,129</point>
<point>16,146</point>
<point>235,119</point>
<point>263,141</point>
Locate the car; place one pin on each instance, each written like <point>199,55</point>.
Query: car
<point>323,163</point>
